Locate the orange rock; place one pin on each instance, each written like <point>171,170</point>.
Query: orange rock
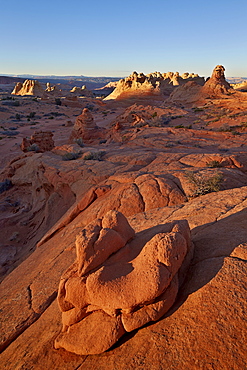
<point>40,141</point>
<point>29,87</point>
<point>135,285</point>
<point>85,128</point>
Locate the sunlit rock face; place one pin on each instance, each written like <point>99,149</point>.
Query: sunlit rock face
<point>119,282</point>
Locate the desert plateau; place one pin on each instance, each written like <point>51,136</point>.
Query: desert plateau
<point>124,223</point>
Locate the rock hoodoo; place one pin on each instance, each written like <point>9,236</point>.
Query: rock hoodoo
<point>120,281</point>
<point>217,83</point>
<point>50,88</point>
<point>85,127</point>
<point>192,92</point>
<point>29,87</point>
<point>40,141</point>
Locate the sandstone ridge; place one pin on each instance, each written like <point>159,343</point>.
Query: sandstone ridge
<point>151,84</point>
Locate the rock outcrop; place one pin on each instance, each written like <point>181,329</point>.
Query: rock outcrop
<point>119,282</point>
<point>217,83</point>
<point>151,84</point>
<point>40,142</point>
<point>81,91</point>
<point>85,128</point>
<point>29,87</point>
<point>17,88</point>
<point>192,92</point>
<point>50,88</point>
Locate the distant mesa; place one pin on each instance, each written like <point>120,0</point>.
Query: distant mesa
<point>29,87</point>
<point>151,84</point>
<point>120,281</point>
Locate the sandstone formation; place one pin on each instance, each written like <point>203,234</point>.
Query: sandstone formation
<point>119,282</point>
<point>169,161</point>
<point>29,87</point>
<point>242,86</point>
<point>85,128</point>
<point>40,141</point>
<point>191,92</point>
<point>81,91</point>
<point>50,88</point>
<point>17,88</point>
<point>151,84</point>
<point>217,83</point>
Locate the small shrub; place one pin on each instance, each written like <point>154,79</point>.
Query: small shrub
<point>79,141</point>
<point>197,109</point>
<point>58,101</point>
<point>18,117</point>
<point>33,148</point>
<point>154,114</point>
<point>176,116</point>
<point>203,183</point>
<point>71,156</point>
<point>31,115</point>
<point>180,126</point>
<point>94,156</point>
<point>214,164</point>
<point>225,128</point>
<point>5,185</point>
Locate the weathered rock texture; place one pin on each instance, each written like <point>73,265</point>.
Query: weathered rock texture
<point>17,88</point>
<point>85,128</point>
<point>191,92</point>
<point>217,83</point>
<point>40,142</point>
<point>119,282</point>
<point>151,84</point>
<point>29,87</point>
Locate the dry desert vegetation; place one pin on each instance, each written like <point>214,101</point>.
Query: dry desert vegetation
<point>124,224</point>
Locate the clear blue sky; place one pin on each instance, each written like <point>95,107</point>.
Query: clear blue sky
<point>116,37</point>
